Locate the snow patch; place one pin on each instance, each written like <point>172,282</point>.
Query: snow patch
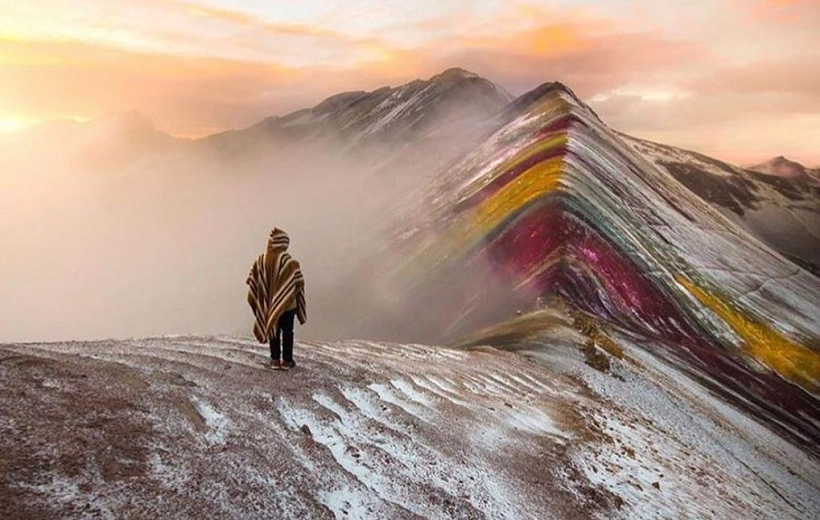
<point>169,476</point>
<point>217,423</point>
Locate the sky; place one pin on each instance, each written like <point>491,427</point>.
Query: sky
<point>736,79</point>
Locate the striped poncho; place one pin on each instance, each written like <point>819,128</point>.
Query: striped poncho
<point>276,284</point>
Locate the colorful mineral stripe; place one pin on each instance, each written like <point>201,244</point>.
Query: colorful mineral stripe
<point>556,203</point>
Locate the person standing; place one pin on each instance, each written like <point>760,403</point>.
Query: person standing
<point>276,294</point>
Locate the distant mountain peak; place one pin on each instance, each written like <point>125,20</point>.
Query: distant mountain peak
<point>344,99</point>
<point>337,101</point>
<point>127,122</point>
<point>453,75</point>
<point>127,117</point>
<point>389,113</point>
<point>548,89</point>
<point>780,166</point>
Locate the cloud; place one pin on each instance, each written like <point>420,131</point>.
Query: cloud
<point>762,88</point>
<point>215,66</point>
<point>797,74</point>
<point>791,12</point>
<point>740,128</point>
<point>244,19</point>
<point>593,65</point>
<point>182,94</point>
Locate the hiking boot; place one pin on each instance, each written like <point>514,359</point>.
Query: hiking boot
<point>287,365</point>
<point>275,364</point>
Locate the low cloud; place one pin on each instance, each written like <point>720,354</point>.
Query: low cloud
<point>794,75</point>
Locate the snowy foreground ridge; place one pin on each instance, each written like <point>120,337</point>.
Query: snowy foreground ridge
<point>183,427</point>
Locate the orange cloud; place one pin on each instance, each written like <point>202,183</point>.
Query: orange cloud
<point>43,80</point>
<point>783,12</point>
<point>519,48</point>
<point>551,40</point>
<point>195,95</point>
<point>244,19</point>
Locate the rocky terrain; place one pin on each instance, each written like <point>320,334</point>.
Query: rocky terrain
<point>778,202</point>
<point>189,426</point>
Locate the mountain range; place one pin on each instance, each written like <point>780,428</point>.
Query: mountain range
<point>777,201</point>
<point>554,204</point>
<point>630,326</point>
<point>421,110</point>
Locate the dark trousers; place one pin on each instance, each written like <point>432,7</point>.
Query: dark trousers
<point>284,333</point>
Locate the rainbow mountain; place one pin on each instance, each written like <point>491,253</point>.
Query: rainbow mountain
<point>554,205</point>
<point>655,356</point>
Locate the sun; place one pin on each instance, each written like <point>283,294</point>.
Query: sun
<point>11,124</point>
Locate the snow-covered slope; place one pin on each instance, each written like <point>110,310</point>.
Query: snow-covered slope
<point>453,104</point>
<point>782,167</point>
<point>189,426</point>
<point>556,203</point>
<point>777,201</point>
<point>399,136</point>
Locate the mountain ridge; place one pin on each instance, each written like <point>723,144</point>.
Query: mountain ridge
<point>342,100</point>
<point>187,425</point>
<point>780,211</point>
<point>386,114</point>
<point>556,204</point>
<point>780,166</point>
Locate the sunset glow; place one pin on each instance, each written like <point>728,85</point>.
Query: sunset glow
<point>709,75</point>
<point>10,124</point>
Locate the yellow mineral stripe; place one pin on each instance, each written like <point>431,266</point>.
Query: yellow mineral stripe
<point>552,141</point>
<point>791,360</point>
<point>472,225</point>
<point>530,185</point>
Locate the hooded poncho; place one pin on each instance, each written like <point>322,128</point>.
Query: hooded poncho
<point>276,284</point>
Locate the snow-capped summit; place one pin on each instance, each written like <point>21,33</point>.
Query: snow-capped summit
<point>780,167</point>
<point>454,75</point>
<point>539,93</point>
<point>777,201</point>
<point>556,204</point>
<point>410,112</point>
